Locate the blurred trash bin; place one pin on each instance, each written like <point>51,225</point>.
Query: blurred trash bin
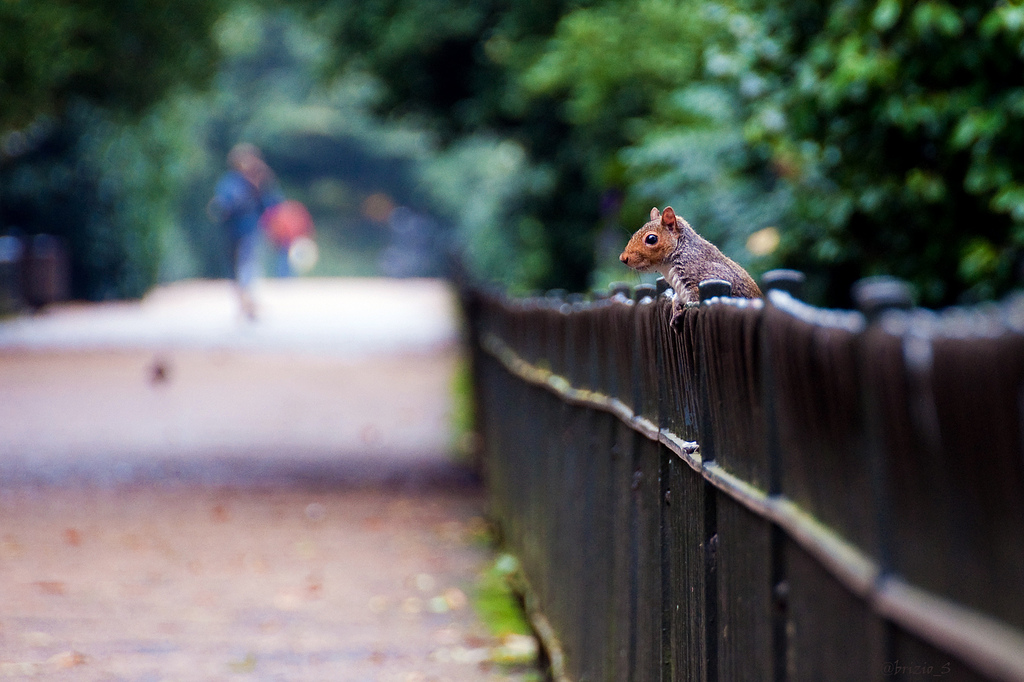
<point>12,250</point>
<point>44,271</point>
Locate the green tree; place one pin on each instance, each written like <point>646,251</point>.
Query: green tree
<point>898,128</point>
<point>595,93</point>
<point>82,155</point>
<point>635,85</point>
<point>120,54</point>
<point>457,65</point>
<point>875,136</point>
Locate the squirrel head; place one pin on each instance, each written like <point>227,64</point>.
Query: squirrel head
<point>651,246</point>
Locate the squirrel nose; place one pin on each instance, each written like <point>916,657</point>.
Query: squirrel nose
<point>624,258</point>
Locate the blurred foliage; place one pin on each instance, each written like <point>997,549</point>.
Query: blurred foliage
<point>457,66</point>
<point>327,149</point>
<point>897,128</point>
<point>844,138</point>
<point>127,189</point>
<point>100,183</point>
<point>873,136</point>
<point>495,600</point>
<point>602,105</point>
<point>634,74</point>
<point>120,54</point>
<point>81,155</point>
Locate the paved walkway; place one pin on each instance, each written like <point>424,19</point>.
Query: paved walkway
<point>339,317</point>
<point>185,495</point>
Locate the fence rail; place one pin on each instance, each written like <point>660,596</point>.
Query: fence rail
<point>769,491</point>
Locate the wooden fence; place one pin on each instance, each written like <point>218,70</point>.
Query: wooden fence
<point>771,491</point>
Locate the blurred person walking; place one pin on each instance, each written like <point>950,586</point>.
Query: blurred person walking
<point>242,194</point>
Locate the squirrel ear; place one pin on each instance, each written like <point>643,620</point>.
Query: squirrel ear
<point>655,213</point>
<point>668,218</point>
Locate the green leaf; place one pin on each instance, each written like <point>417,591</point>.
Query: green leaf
<point>938,18</point>
<point>1010,199</point>
<point>978,260</point>
<point>977,124</point>
<point>886,14</point>
<point>925,185</point>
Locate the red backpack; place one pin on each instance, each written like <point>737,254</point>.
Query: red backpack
<point>287,221</point>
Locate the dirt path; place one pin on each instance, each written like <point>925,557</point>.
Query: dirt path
<point>222,416</point>
<point>231,510</point>
<point>186,583</point>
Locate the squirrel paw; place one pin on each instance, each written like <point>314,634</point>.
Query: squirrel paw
<point>676,322</point>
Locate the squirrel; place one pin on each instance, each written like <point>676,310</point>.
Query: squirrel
<point>667,244</point>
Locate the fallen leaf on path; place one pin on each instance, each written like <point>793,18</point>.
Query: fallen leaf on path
<point>55,588</point>
<point>306,549</point>
<point>379,603</point>
<point>38,639</point>
<point>68,659</point>
<point>287,601</point>
<point>412,606</point>
<point>424,582</point>
<point>246,665</point>
<point>455,598</point>
<point>516,650</point>
<point>18,669</point>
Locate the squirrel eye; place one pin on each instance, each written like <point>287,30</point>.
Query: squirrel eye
<point>651,239</point>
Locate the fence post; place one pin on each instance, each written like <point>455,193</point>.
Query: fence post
<point>661,285</point>
<point>640,292</point>
<point>661,328</point>
<point>620,288</point>
<point>874,296</point>
<point>708,289</point>
<point>856,570</point>
<point>791,282</point>
<point>711,288</point>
